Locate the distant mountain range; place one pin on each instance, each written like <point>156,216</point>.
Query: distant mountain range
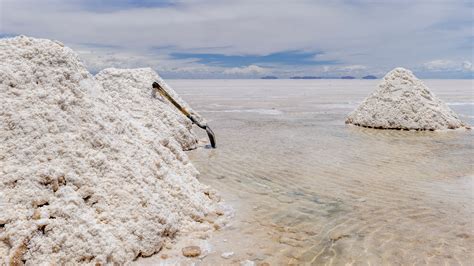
<point>305,77</point>
<point>317,77</point>
<point>369,77</point>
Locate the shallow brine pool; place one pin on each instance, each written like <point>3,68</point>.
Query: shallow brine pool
<point>308,189</point>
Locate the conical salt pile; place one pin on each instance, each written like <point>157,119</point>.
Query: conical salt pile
<point>401,101</point>
<point>84,176</point>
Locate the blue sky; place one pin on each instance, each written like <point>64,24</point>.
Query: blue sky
<point>289,58</point>
<point>254,38</point>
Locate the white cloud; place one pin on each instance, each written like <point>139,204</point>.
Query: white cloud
<point>337,70</point>
<point>468,66</point>
<point>448,65</point>
<point>103,58</point>
<point>352,68</point>
<point>375,34</point>
<point>440,64</point>
<point>248,70</point>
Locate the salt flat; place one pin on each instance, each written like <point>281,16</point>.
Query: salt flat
<point>309,189</point>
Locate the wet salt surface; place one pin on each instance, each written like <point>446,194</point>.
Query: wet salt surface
<point>309,189</point>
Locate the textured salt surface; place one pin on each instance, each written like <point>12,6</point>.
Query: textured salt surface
<point>131,91</point>
<point>85,175</point>
<point>401,101</point>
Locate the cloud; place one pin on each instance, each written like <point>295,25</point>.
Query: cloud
<point>358,70</point>
<point>97,60</point>
<point>248,70</point>
<point>283,58</point>
<point>440,64</point>
<point>288,37</point>
<point>448,65</point>
<point>353,68</point>
<point>445,68</point>
<point>466,65</point>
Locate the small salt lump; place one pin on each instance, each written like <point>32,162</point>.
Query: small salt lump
<point>402,101</point>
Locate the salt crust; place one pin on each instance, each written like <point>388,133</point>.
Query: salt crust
<point>402,101</point>
<point>131,91</point>
<point>86,175</point>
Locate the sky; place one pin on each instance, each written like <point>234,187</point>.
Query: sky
<point>255,38</point>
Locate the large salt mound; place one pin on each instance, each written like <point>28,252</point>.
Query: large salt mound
<point>401,101</point>
<point>81,178</point>
<point>131,90</point>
